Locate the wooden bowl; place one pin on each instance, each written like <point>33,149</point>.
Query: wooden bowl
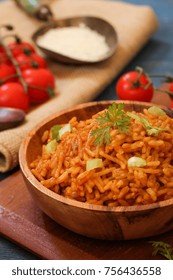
<point>101,222</point>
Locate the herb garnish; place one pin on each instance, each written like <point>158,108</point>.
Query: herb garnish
<point>162,248</point>
<point>114,116</point>
<point>151,130</point>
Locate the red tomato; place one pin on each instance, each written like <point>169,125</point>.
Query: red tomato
<point>31,61</point>
<point>4,59</point>
<point>171,90</point>
<point>171,87</point>
<point>134,86</point>
<point>13,95</point>
<point>41,84</point>
<point>7,71</point>
<point>1,49</point>
<point>171,106</point>
<point>21,48</point>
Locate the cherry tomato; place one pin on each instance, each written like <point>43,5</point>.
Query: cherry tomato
<point>171,106</point>
<point>2,49</point>
<point>4,59</point>
<point>41,84</point>
<point>134,86</point>
<point>171,90</point>
<point>7,71</point>
<point>13,95</point>
<point>31,61</point>
<point>21,48</point>
<point>171,87</point>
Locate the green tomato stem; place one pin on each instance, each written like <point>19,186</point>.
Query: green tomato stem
<point>168,78</point>
<point>7,78</point>
<point>13,61</point>
<point>165,91</point>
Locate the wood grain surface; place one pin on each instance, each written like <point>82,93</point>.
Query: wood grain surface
<point>25,224</point>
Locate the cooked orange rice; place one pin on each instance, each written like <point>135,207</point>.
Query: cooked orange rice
<point>115,183</point>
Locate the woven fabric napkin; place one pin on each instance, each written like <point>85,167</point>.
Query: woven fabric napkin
<point>77,84</point>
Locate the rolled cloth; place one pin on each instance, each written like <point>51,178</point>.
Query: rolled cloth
<point>77,84</point>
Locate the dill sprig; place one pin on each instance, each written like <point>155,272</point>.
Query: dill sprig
<point>114,116</point>
<point>162,248</point>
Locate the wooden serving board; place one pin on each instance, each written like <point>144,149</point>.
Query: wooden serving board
<point>24,223</point>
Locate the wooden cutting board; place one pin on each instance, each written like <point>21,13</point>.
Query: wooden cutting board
<point>24,223</point>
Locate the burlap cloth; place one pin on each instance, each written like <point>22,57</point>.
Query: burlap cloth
<point>77,84</point>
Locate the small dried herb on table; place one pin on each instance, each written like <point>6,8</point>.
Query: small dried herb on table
<point>162,248</point>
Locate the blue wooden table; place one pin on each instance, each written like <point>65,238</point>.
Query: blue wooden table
<point>156,57</point>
